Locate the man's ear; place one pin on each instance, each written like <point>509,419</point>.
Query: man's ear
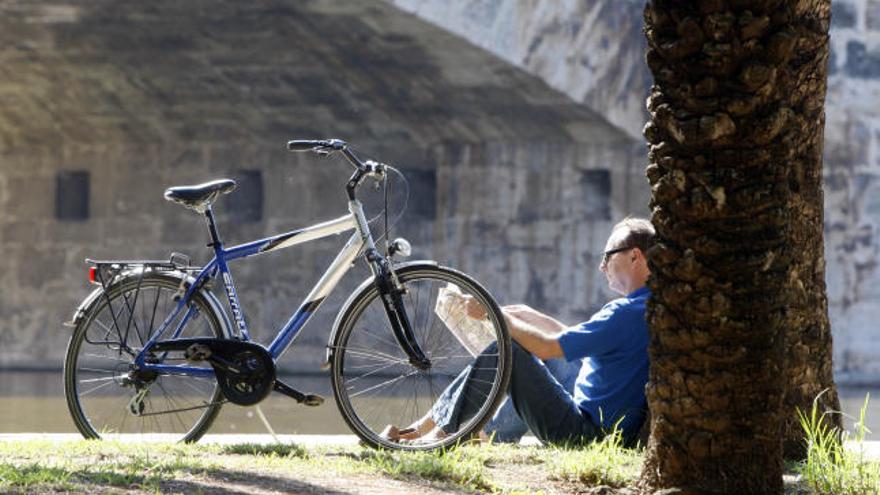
<point>637,252</point>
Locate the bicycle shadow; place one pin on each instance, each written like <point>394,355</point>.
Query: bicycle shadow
<point>210,481</point>
<point>229,482</point>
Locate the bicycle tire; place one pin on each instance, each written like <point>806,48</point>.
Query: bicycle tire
<point>364,349</point>
<point>97,378</point>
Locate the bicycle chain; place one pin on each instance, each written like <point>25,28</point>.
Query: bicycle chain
<point>182,409</point>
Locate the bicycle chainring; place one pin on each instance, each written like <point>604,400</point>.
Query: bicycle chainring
<point>245,371</point>
<point>250,378</point>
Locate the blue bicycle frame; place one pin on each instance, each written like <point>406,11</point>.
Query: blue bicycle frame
<point>360,241</point>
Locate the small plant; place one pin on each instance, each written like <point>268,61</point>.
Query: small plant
<point>457,466</point>
<point>25,477</point>
<point>276,449</point>
<point>603,462</point>
<point>831,468</point>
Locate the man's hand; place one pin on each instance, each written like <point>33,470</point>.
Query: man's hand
<point>474,309</point>
<point>530,328</point>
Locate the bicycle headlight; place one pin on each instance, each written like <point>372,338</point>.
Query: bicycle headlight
<point>400,246</point>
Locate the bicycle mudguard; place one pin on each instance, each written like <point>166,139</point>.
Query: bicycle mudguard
<point>365,286</point>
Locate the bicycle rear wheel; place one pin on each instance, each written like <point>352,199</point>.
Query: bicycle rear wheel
<point>373,381</point>
<point>107,397</point>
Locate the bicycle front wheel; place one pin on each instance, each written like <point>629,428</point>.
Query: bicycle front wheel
<point>375,384</point>
<point>107,397</point>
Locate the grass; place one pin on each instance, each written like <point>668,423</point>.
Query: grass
<point>70,466</point>
<point>41,466</point>
<point>831,468</point>
<point>605,462</point>
<point>31,475</point>
<point>463,466</point>
<point>275,449</point>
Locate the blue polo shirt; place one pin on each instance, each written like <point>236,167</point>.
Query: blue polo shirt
<point>614,345</point>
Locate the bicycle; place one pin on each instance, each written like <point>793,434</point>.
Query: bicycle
<point>390,353</point>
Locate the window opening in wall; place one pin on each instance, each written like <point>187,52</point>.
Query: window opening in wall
<point>72,195</point>
<point>245,204</point>
<point>597,193</point>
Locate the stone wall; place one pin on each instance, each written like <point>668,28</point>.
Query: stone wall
<point>528,220</point>
<point>593,51</point>
<point>510,181</point>
<point>852,187</point>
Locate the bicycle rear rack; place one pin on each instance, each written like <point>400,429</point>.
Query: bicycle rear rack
<point>105,272</point>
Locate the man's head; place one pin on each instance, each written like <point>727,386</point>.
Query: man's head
<point>624,262</point>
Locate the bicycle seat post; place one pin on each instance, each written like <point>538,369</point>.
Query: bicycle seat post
<point>215,243</point>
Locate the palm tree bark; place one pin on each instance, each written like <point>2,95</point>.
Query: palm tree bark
<point>735,140</point>
<point>808,368</point>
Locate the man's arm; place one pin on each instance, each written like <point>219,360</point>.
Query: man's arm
<point>535,331</point>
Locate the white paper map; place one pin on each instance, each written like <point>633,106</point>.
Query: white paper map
<point>474,334</point>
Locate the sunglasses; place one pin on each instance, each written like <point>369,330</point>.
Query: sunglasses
<point>607,254</point>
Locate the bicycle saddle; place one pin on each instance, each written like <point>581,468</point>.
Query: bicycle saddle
<point>201,196</point>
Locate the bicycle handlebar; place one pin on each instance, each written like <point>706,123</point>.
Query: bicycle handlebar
<point>328,146</point>
<point>317,145</point>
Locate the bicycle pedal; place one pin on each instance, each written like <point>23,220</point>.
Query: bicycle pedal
<point>307,399</point>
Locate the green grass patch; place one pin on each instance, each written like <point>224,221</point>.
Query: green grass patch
<point>40,465</point>
<point>604,462</point>
<point>831,467</point>
<point>32,475</point>
<point>276,449</point>
<point>463,466</point>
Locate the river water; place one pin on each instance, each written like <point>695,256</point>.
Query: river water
<point>34,402</point>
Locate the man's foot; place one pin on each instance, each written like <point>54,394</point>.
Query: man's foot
<point>415,431</point>
<point>395,434</point>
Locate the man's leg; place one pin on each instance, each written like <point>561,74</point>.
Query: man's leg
<point>466,394</point>
<point>545,405</point>
<point>506,426</point>
<point>539,399</point>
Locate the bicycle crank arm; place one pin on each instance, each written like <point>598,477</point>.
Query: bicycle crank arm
<point>307,399</point>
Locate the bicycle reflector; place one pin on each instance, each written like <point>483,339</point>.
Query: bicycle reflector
<point>93,271</point>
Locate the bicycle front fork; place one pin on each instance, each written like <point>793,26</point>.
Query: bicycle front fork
<point>391,294</point>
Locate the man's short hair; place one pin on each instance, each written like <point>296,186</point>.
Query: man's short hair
<point>640,233</point>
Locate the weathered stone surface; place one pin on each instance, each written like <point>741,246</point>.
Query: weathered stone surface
<point>593,50</point>
<point>843,14</point>
<point>860,63</point>
<point>510,180</point>
<point>617,77</point>
<point>872,14</point>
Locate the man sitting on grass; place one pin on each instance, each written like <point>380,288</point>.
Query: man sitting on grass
<point>610,387</point>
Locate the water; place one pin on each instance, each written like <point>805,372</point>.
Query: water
<point>34,402</point>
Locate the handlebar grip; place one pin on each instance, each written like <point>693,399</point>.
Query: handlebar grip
<point>319,145</point>
<point>303,144</point>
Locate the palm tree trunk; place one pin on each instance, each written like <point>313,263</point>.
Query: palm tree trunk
<point>734,139</point>
<point>808,369</point>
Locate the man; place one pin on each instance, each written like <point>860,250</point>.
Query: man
<point>609,390</point>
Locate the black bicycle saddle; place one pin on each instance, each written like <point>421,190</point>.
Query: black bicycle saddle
<point>201,196</point>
